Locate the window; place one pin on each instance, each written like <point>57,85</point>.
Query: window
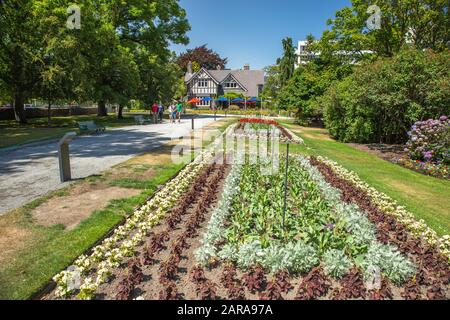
<point>203,103</point>
<point>202,83</point>
<point>230,84</point>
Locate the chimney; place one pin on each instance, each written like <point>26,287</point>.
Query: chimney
<point>189,67</point>
<point>246,66</point>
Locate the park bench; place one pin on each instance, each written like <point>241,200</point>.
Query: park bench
<point>90,127</point>
<point>141,120</point>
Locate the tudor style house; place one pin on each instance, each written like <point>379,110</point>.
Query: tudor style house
<point>215,83</point>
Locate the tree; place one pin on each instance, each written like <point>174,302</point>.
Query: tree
<point>422,23</point>
<point>147,41</point>
<point>204,57</point>
<point>19,46</point>
<point>287,63</point>
<point>272,86</point>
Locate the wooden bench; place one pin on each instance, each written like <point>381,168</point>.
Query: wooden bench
<point>141,120</point>
<point>90,127</point>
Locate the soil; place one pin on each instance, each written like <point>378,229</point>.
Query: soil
<point>71,210</point>
<point>386,152</point>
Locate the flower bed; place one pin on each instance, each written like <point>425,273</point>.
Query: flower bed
<point>390,207</point>
<point>428,148</point>
<point>265,129</point>
<point>221,235</point>
<point>438,170</point>
<point>320,228</point>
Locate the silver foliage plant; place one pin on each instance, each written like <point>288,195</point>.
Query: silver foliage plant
<point>393,264</point>
<point>215,230</point>
<point>390,261</point>
<point>336,263</point>
<point>296,257</point>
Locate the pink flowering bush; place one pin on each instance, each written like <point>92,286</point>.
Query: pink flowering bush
<point>429,141</point>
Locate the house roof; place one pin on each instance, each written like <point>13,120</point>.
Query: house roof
<point>250,79</point>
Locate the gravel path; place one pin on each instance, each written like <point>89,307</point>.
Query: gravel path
<point>30,172</point>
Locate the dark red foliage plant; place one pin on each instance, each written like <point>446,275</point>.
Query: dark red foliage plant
<point>135,272</point>
<point>168,271</point>
<point>283,281</point>
<point>229,276</point>
<point>198,275</point>
<point>207,290</point>
<point>169,291</point>
<point>412,291</point>
<point>273,292</point>
<point>353,286</point>
<point>236,292</point>
<point>255,279</point>
<point>436,292</point>
<point>314,286</point>
<point>124,289</point>
<point>384,293</point>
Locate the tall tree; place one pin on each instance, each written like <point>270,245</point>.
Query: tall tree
<point>19,46</point>
<point>422,23</point>
<point>146,28</point>
<point>287,63</point>
<point>272,85</point>
<point>203,56</point>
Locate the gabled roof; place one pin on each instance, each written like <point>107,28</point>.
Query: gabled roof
<point>188,78</point>
<point>230,75</point>
<point>248,79</point>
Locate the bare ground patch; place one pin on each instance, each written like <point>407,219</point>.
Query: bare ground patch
<point>71,210</point>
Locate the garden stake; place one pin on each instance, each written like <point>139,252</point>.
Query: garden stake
<point>285,186</point>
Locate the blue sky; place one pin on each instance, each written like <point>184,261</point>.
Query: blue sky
<point>250,31</point>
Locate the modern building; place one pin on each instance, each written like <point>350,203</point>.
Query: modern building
<point>215,83</point>
<point>305,56</point>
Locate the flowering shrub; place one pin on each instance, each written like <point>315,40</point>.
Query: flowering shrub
<point>429,141</point>
<point>438,170</point>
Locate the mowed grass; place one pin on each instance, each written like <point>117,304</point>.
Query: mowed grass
<point>12,133</point>
<point>426,197</point>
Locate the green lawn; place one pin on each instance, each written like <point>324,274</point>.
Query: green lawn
<point>426,197</point>
<point>12,133</point>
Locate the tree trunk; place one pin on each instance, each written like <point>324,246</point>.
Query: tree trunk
<point>19,110</point>
<point>119,114</point>
<point>49,114</point>
<point>102,112</point>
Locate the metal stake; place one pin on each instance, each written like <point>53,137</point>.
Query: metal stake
<point>286,186</point>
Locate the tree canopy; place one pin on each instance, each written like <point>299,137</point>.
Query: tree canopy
<point>203,57</point>
<point>120,52</point>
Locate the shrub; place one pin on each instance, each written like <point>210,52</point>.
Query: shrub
<point>380,101</point>
<point>429,141</point>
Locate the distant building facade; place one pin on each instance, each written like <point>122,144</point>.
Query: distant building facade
<point>215,83</point>
<point>305,56</point>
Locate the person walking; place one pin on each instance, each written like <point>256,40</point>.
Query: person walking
<point>160,113</point>
<point>172,113</point>
<point>155,112</point>
<point>179,111</point>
